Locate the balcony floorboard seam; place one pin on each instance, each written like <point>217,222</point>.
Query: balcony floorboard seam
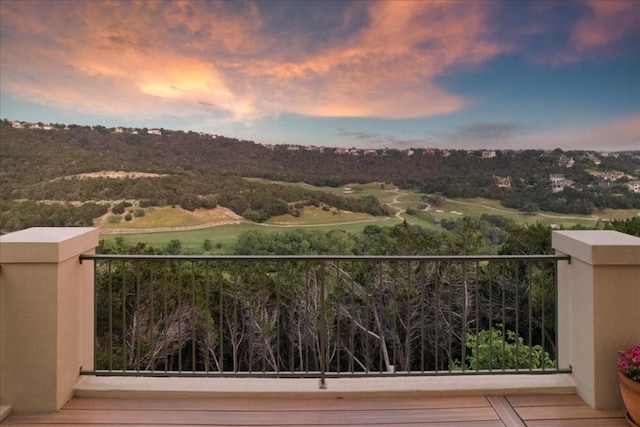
<point>505,411</point>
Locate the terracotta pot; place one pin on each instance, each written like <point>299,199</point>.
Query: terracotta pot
<point>631,395</point>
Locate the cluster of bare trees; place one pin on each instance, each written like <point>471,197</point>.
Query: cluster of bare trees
<point>346,316</point>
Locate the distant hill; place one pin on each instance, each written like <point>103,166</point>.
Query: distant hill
<point>202,170</point>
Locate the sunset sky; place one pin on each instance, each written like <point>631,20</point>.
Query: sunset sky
<point>398,74</point>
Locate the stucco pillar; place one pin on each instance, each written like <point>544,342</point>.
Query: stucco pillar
<point>46,315</point>
<point>598,309</point>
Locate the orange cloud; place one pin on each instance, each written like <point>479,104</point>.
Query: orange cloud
<point>609,21</point>
<point>389,67</point>
<point>150,58</point>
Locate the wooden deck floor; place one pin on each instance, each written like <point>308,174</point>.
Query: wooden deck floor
<point>472,411</point>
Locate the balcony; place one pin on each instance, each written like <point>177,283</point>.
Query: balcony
<point>54,290</point>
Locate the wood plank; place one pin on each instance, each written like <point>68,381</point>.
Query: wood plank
<point>545,400</point>
<point>235,418</point>
<point>565,412</point>
<point>600,422</point>
<point>410,424</point>
<point>275,404</point>
<point>504,410</point>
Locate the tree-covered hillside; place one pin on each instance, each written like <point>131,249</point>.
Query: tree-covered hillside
<point>201,170</point>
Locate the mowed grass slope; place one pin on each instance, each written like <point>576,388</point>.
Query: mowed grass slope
<point>167,216</point>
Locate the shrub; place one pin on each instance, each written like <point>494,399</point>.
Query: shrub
<point>118,209</point>
<point>491,349</point>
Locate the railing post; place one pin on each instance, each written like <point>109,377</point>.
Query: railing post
<point>46,320</point>
<point>598,300</point>
<point>323,328</point>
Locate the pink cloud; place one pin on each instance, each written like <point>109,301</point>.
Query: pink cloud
<point>608,22</point>
<point>389,67</point>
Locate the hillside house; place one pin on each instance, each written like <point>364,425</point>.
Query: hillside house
<point>503,182</point>
<point>559,182</point>
<point>566,161</point>
<point>633,186</point>
<point>613,175</point>
<point>488,154</point>
<point>154,132</point>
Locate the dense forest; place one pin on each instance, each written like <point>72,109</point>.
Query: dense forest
<point>355,315</point>
<point>200,170</point>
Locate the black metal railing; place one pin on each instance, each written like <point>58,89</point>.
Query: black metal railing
<point>319,316</point>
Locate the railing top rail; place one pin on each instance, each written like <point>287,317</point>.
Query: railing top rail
<point>558,257</point>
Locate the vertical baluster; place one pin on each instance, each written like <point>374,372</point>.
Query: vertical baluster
<point>221,325</point>
<point>323,328</point>
<point>124,316</point>
<point>352,326</point>
<point>395,313</point>
<point>152,343</point>
<point>516,283</point>
<point>194,316</point>
<point>279,310</point>
<point>110,316</point>
<point>465,304</point>
<point>207,315</point>
<point>236,278</point>
<point>477,294</point>
<point>543,313</point>
<point>292,331</point>
<point>380,317</point>
<point>166,316</point>
<point>338,322</point>
<point>491,283</point>
<point>96,298</point>
<point>421,298</point>
<point>555,303</point>
<point>530,337</point>
<point>179,273</point>
<point>504,316</point>
<point>138,316</point>
<point>450,317</point>
<point>437,317</point>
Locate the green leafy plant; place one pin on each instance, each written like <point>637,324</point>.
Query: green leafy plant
<point>499,349</point>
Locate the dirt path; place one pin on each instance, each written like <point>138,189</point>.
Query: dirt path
<point>165,229</point>
<point>395,201</point>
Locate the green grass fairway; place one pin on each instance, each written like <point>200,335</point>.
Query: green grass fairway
<point>312,216</point>
<point>223,237</point>
<point>477,207</point>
